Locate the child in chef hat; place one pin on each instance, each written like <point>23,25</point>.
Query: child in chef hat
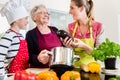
<point>13,46</point>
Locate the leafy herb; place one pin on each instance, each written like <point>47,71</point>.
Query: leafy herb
<point>106,49</point>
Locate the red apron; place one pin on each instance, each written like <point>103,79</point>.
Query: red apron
<point>20,61</point>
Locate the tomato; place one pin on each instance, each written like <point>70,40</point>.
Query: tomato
<point>17,75</point>
<point>24,75</point>
<point>32,77</point>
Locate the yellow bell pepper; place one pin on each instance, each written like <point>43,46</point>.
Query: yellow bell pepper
<point>94,67</point>
<point>47,75</point>
<point>71,75</point>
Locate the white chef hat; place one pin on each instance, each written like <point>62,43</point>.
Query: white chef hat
<point>14,10</point>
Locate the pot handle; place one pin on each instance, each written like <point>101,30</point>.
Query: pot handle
<point>76,58</point>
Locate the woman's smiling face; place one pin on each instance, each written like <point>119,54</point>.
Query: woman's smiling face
<point>75,11</point>
<point>42,16</point>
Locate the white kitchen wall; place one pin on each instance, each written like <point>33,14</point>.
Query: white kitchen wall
<point>119,27</point>
<point>106,11</point>
<point>62,5</point>
<point>3,22</point>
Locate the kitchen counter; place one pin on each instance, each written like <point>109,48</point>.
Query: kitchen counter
<point>84,76</point>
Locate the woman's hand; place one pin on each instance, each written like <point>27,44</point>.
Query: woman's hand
<point>67,41</point>
<point>77,43</point>
<point>44,56</point>
<point>80,44</point>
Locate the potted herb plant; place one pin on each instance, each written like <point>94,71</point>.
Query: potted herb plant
<point>107,52</point>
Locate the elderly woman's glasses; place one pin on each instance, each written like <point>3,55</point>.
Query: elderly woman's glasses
<point>45,13</point>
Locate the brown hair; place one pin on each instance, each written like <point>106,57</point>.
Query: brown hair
<point>88,4</point>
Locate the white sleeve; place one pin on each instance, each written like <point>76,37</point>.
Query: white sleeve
<point>5,42</point>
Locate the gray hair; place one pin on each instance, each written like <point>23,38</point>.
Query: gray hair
<point>34,9</point>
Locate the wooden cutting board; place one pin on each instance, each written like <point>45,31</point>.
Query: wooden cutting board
<point>37,70</point>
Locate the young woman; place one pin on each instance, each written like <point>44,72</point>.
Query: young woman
<point>86,31</point>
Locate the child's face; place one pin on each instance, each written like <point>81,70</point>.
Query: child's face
<point>22,23</point>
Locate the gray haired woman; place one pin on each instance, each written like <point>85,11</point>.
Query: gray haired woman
<point>42,38</point>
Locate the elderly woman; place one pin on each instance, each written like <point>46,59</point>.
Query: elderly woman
<point>42,38</point>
